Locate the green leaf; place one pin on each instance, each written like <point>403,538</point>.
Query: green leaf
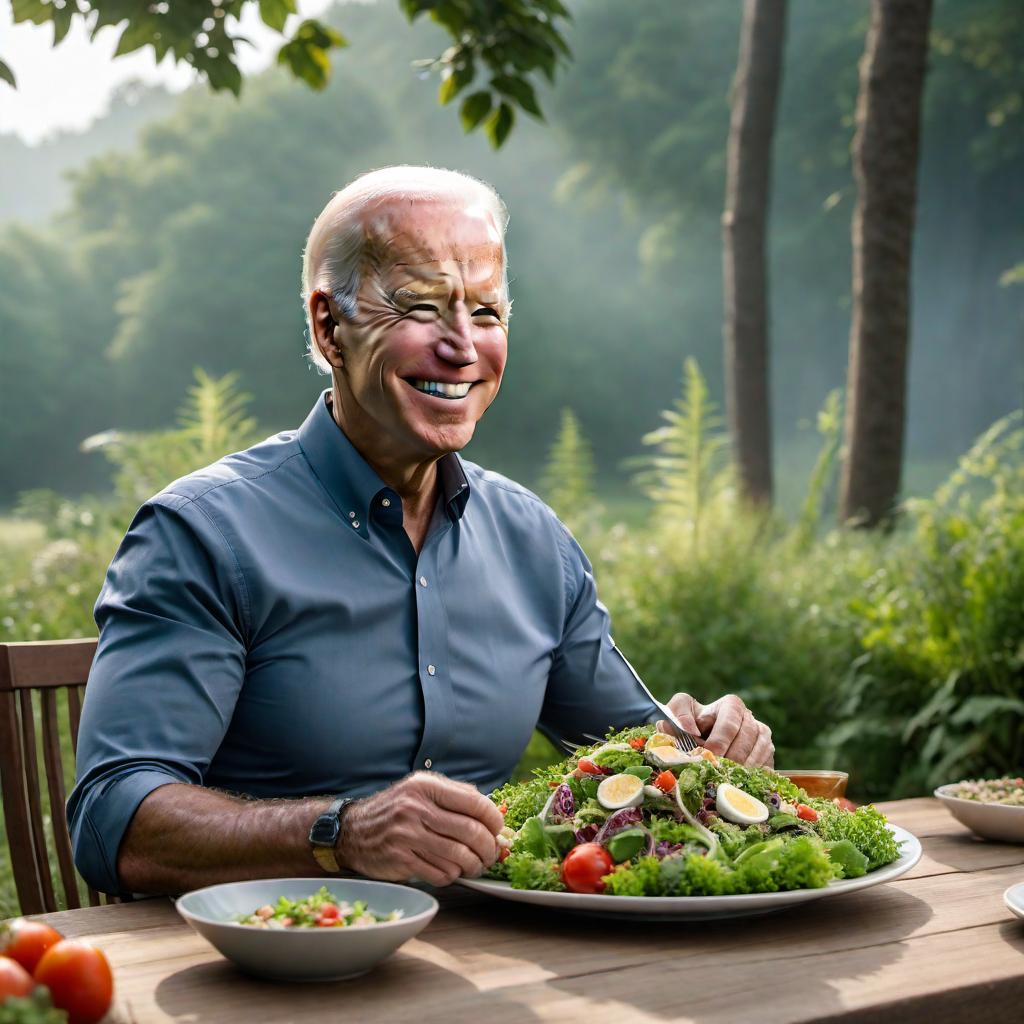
<point>412,9</point>
<point>475,107</point>
<point>521,91</point>
<point>223,73</point>
<point>305,54</point>
<point>31,10</point>
<point>7,75</point>
<point>62,22</point>
<point>134,37</point>
<point>499,124</point>
<point>275,12</point>
<point>453,81</point>
<point>975,710</point>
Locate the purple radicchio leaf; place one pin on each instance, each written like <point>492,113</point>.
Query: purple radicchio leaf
<point>586,834</point>
<point>564,806</point>
<point>626,818</point>
<point>665,849</point>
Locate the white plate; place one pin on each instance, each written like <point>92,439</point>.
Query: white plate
<point>699,908</point>
<point>1014,899</point>
<point>993,821</point>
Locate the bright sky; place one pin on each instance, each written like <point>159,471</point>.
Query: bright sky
<point>68,87</point>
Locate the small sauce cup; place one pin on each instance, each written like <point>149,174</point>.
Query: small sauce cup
<point>817,782</point>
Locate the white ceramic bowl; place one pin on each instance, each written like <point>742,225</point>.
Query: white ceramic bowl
<point>993,821</point>
<point>1014,899</point>
<point>305,954</point>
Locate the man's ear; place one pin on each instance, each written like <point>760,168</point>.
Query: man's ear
<point>327,331</point>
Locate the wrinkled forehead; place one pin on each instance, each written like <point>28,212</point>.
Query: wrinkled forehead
<point>437,237</point>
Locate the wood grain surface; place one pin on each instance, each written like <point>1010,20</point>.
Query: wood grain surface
<point>937,945</point>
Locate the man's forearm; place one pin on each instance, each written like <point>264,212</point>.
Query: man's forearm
<point>184,837</point>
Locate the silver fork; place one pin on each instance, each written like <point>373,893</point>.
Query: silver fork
<point>685,740</point>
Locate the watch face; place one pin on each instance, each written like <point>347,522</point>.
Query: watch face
<point>325,830</point>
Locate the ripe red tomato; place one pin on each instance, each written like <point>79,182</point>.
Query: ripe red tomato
<point>584,866</point>
<point>666,781</point>
<point>806,813</point>
<point>26,941</point>
<point>588,767</point>
<point>638,743</point>
<point>14,979</point>
<point>79,979</point>
<point>843,804</point>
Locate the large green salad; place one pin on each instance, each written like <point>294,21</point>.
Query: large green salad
<point>637,816</point>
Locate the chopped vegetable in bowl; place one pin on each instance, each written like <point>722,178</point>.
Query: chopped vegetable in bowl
<point>635,815</point>
<point>990,791</point>
<point>320,910</point>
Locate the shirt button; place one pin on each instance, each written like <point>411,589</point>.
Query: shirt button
<point>355,524</point>
<point>386,502</point>
<point>351,515</point>
<point>423,581</point>
<point>428,763</point>
<point>431,670</point>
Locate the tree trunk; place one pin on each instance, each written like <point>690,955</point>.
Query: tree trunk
<point>744,222</point>
<point>885,157</point>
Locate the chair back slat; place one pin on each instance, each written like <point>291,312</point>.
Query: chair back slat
<point>17,817</point>
<point>31,674</point>
<point>35,803</point>
<point>54,765</point>
<point>74,714</point>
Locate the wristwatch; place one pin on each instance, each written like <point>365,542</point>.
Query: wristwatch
<point>323,836</point>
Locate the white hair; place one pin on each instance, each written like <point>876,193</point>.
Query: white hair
<point>332,259</point>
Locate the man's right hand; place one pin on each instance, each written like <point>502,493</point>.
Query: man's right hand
<point>426,827</point>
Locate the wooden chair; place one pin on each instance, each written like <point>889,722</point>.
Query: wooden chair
<point>45,668</point>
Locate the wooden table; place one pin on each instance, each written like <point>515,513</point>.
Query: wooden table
<point>937,945</point>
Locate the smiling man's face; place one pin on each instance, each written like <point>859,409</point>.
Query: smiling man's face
<point>424,356</point>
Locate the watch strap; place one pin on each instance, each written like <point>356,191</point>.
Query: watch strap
<point>324,854</point>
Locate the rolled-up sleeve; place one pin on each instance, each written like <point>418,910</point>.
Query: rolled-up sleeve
<point>167,673</point>
<point>591,687</point>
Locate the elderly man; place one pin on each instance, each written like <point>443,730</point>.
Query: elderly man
<point>317,654</point>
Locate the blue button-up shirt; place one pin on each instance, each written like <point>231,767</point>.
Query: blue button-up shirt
<point>268,628</point>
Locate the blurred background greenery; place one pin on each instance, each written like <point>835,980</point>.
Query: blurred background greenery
<point>168,237</point>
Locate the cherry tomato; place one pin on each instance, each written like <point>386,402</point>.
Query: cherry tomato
<point>588,767</point>
<point>79,979</point>
<point>503,808</point>
<point>584,866</point>
<point>666,781</point>
<point>14,979</point>
<point>26,941</point>
<point>330,912</point>
<point>638,743</point>
<point>843,804</point>
<point>806,813</point>
<point>505,851</point>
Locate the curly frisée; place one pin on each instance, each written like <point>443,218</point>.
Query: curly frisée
<point>636,816</point>
<point>321,910</point>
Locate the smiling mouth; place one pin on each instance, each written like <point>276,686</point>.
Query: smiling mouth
<point>440,389</point>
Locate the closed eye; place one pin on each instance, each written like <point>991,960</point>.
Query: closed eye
<point>424,306</point>
<point>487,311</point>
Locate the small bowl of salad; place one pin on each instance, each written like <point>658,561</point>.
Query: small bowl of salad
<point>307,929</point>
<point>993,808</point>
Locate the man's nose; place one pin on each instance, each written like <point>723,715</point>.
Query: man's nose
<point>456,344</point>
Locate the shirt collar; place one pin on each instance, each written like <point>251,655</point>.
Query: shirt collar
<point>350,480</point>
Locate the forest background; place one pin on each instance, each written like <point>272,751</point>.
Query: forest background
<point>168,238</point>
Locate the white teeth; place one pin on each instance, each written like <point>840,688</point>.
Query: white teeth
<point>436,387</point>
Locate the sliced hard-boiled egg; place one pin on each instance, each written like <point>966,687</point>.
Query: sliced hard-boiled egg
<point>660,739</point>
<point>667,757</point>
<point>618,791</point>
<point>653,793</point>
<point>739,807</point>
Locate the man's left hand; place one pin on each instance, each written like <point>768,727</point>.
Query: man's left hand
<point>728,726</point>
